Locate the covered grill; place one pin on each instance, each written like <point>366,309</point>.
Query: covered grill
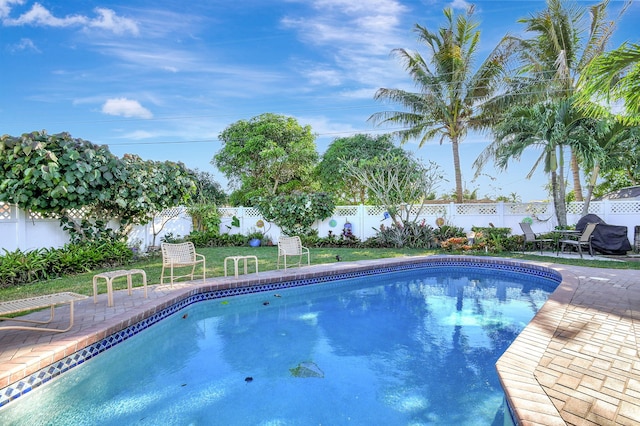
<point>606,239</point>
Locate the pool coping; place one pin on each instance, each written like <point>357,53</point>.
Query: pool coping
<point>530,402</point>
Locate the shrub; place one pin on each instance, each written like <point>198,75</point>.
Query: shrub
<point>408,234</point>
<point>444,232</point>
<point>17,267</point>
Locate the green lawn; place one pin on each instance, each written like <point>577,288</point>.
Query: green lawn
<point>267,256</point>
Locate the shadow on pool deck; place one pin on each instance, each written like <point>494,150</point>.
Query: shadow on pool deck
<point>575,363</point>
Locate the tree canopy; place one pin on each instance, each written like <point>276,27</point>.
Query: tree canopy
<point>84,185</point>
<point>267,155</point>
<point>332,171</point>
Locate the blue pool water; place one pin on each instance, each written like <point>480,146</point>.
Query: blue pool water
<point>405,348</point>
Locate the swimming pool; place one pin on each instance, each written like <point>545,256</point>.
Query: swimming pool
<point>229,340</point>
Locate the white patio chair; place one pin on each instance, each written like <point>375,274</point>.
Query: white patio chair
<point>292,246</point>
<point>181,255</point>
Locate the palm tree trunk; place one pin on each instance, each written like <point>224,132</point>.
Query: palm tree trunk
<point>456,167</point>
<point>590,187</point>
<point>575,169</point>
<point>559,196</point>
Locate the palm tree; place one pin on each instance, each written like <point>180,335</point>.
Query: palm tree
<point>560,50</point>
<point>614,76</point>
<point>452,92</point>
<point>551,127</point>
<point>607,148</point>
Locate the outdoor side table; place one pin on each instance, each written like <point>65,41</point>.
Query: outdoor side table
<point>235,260</point>
<point>110,276</point>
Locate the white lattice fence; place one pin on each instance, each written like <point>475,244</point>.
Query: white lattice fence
<point>25,231</point>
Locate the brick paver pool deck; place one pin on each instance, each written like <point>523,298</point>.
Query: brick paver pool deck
<point>576,363</point>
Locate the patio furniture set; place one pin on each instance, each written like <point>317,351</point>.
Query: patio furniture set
<point>174,256</point>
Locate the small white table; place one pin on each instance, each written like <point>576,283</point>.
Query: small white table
<point>235,260</point>
<point>110,276</point>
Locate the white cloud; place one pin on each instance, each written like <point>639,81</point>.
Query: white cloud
<point>358,36</point>
<point>108,20</point>
<point>38,15</point>
<point>460,4</point>
<point>5,7</point>
<point>124,107</point>
<point>24,44</point>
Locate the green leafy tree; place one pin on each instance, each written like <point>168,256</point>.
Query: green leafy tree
<point>332,170</point>
<point>267,155</point>
<point>453,88</point>
<point>296,212</point>
<point>57,175</point>
<point>151,187</point>
<point>84,185</point>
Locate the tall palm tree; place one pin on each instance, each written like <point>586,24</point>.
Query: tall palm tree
<point>452,92</point>
<point>550,127</point>
<point>614,76</point>
<point>563,43</point>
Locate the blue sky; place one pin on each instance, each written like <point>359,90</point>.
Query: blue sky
<point>162,79</point>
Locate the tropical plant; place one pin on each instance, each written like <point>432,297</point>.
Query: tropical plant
<point>265,156</point>
<point>20,268</point>
<point>453,90</point>
<point>407,234</point>
<point>612,146</point>
<point>549,127</point>
<point>208,190</point>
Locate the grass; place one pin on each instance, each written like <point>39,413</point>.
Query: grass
<point>267,257</point>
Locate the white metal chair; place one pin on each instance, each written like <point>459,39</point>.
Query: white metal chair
<point>583,240</point>
<point>531,237</point>
<point>292,246</point>
<point>181,255</point>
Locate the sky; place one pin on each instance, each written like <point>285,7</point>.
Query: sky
<point>162,79</point>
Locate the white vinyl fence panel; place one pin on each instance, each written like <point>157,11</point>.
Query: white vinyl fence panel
<point>24,231</point>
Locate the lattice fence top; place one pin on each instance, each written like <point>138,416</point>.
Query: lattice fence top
<point>374,210</point>
<point>429,210</point>
<point>629,207</point>
<point>252,212</point>
<point>227,211</point>
<point>6,212</point>
<point>477,209</point>
<point>532,209</point>
<point>73,213</point>
<point>171,212</point>
<point>594,208</point>
<point>346,210</point>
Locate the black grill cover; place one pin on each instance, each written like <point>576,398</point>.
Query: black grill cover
<point>607,239</point>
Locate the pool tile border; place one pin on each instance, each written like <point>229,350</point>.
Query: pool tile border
<point>207,292</point>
